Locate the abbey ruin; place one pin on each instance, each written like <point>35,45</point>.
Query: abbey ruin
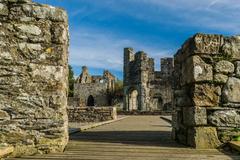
<point>144,88</point>
<point>200,86</point>
<point>94,90</point>
<point>92,100</point>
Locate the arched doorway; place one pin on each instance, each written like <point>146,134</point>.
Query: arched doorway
<point>160,103</point>
<point>133,100</point>
<point>90,101</point>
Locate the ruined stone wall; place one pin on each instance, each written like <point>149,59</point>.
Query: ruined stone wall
<point>144,88</point>
<point>97,90</point>
<point>33,77</point>
<point>93,114</point>
<point>138,68</point>
<point>207,89</point>
<point>74,102</point>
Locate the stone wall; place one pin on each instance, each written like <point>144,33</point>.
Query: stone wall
<point>94,90</point>
<point>92,114</point>
<point>74,102</point>
<point>97,90</point>
<point>207,91</point>
<point>33,77</point>
<point>144,88</point>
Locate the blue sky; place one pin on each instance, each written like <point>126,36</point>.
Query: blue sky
<point>100,29</point>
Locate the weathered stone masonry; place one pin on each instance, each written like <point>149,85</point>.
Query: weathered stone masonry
<point>33,77</point>
<point>93,90</point>
<point>92,114</point>
<point>144,88</point>
<point>207,91</point>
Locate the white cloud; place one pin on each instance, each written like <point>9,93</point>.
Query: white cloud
<point>103,50</point>
<point>220,15</point>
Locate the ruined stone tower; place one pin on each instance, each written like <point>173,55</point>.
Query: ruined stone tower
<point>144,88</point>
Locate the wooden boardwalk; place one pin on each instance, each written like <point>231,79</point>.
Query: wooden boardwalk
<point>133,138</point>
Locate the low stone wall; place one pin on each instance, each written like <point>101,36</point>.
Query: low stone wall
<point>74,102</point>
<point>207,91</point>
<point>92,114</point>
<point>144,113</point>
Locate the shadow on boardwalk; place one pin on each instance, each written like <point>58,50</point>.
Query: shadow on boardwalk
<point>149,138</point>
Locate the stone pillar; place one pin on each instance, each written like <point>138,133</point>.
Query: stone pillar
<point>33,77</point>
<point>128,57</point>
<point>207,89</point>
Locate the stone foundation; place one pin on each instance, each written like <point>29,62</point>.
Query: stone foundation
<point>92,114</point>
<point>207,91</point>
<point>33,77</point>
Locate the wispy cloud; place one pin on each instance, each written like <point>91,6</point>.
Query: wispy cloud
<point>103,50</point>
<point>158,27</point>
<point>221,15</point>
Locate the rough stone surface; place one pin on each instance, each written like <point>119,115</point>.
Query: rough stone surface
<point>224,67</point>
<point>206,95</point>
<point>144,88</point>
<point>220,78</point>
<point>194,116</point>
<point>231,47</point>
<point>203,137</point>
<point>95,114</point>
<point>229,118</point>
<point>207,89</point>
<point>237,70</point>
<point>196,70</point>
<point>33,78</point>
<point>3,9</point>
<point>94,90</point>
<point>231,90</point>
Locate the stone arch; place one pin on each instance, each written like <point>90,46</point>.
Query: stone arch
<point>133,100</point>
<point>90,101</point>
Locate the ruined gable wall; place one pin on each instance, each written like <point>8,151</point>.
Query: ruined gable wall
<point>207,89</point>
<point>161,85</point>
<point>33,77</point>
<point>97,90</point>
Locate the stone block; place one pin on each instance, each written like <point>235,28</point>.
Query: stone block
<point>4,115</point>
<point>226,134</point>
<point>203,138</point>
<point>207,43</point>
<point>196,70</point>
<point>224,67</point>
<point>237,69</point>
<point>3,9</point>
<point>231,47</point>
<point>59,33</point>
<point>220,78</point>
<point>28,29</point>
<point>231,90</point>
<point>194,116</point>
<point>226,118</point>
<point>205,95</point>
